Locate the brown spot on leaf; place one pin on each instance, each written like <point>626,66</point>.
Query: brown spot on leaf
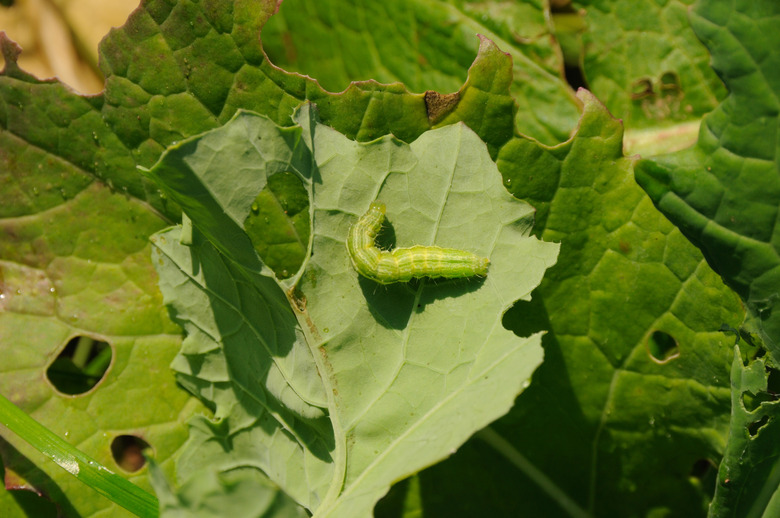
<point>642,88</point>
<point>439,105</point>
<point>297,298</point>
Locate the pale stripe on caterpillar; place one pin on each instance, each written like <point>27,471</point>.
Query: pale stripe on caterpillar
<point>405,264</point>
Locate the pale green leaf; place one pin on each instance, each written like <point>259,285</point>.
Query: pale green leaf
<point>348,385</point>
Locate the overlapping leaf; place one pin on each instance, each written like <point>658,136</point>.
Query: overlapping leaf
<point>159,70</point>
<point>724,192</point>
<point>426,45</point>
<point>372,383</point>
<point>62,276</point>
<point>160,75</point>
<point>643,60</point>
<point>614,419</point>
<point>748,481</point>
<point>239,492</point>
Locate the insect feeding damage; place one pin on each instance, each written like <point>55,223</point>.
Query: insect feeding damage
<point>405,264</point>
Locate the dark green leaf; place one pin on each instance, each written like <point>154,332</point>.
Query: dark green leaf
<point>749,478</point>
<point>724,192</point>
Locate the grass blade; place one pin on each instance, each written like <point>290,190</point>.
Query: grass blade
<point>78,464</point>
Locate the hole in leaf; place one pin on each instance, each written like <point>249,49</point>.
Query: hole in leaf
<point>701,468</point>
<point>704,472</point>
<point>751,401</point>
<point>662,347</point>
<point>127,451</point>
<point>773,382</point>
<point>561,6</point>
<point>755,426</point>
<point>80,366</point>
<point>670,82</point>
<point>642,88</point>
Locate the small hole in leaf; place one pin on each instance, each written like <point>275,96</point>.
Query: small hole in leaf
<point>80,366</point>
<point>704,472</point>
<point>642,88</point>
<point>773,382</point>
<point>127,451</point>
<point>561,6</point>
<point>755,426</point>
<point>662,347</point>
<point>701,468</point>
<point>751,401</point>
<point>670,82</point>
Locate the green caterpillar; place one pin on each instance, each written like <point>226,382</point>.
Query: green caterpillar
<point>405,264</point>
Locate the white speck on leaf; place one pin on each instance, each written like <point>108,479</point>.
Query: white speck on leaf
<point>68,464</point>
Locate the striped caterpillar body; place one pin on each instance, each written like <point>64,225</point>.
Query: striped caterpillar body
<point>405,264</point>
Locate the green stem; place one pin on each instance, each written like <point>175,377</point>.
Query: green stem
<point>99,363</point>
<point>83,351</point>
<point>513,455</point>
<point>112,486</point>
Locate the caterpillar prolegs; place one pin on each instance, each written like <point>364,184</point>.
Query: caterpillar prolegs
<point>405,264</point>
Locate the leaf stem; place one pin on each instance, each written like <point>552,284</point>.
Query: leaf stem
<point>83,351</point>
<point>98,365</point>
<point>505,448</point>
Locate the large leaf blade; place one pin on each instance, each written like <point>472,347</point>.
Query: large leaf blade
<point>723,193</point>
<point>623,416</point>
<point>375,347</point>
